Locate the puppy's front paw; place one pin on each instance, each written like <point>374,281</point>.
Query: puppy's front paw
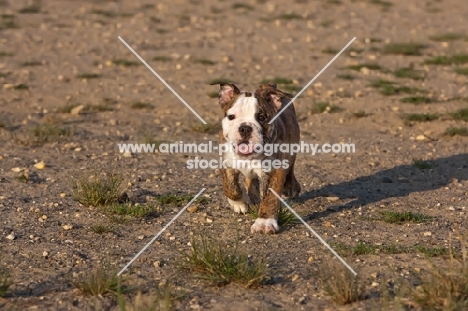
<point>265,225</point>
<point>238,206</point>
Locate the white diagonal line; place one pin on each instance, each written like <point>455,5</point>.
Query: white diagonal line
<point>162,80</point>
<point>311,81</point>
<point>313,231</point>
<point>159,233</point>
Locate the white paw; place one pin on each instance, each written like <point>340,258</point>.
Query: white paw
<point>238,206</point>
<point>265,225</point>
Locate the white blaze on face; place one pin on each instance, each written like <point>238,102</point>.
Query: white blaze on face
<point>243,110</point>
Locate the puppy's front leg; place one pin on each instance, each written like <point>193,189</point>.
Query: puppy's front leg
<point>267,221</point>
<point>237,197</point>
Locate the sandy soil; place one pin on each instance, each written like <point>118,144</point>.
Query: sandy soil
<point>52,53</point>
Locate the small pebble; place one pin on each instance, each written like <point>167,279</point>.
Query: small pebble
<point>40,165</point>
<point>192,209</point>
<point>67,227</point>
<point>11,236</point>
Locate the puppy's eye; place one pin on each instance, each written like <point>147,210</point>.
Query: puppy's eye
<point>231,117</point>
<point>261,118</point>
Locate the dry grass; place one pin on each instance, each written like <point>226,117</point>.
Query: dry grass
<point>103,280</point>
<point>161,299</point>
<point>221,264</point>
<point>43,133</point>
<point>340,284</point>
<point>97,187</point>
<point>443,287</point>
<point>5,281</point>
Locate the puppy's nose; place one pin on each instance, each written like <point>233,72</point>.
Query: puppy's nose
<point>245,130</point>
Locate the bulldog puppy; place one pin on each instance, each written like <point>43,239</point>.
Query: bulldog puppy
<point>245,125</point>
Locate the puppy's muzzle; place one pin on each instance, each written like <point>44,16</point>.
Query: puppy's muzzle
<point>245,131</point>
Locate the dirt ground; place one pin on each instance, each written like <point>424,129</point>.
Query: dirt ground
<point>57,55</point>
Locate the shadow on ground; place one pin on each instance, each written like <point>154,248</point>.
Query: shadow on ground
<point>399,181</point>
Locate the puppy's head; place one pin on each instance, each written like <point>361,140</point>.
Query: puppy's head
<point>246,116</point>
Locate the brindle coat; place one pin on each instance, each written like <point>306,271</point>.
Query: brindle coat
<point>284,130</point>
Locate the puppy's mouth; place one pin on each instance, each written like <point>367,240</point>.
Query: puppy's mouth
<point>245,148</point>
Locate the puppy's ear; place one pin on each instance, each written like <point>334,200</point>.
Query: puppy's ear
<point>227,91</point>
<point>276,100</point>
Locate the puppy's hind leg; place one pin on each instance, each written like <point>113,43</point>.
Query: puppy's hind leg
<point>237,197</point>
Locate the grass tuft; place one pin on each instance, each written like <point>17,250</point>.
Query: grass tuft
<point>460,114</point>
<point>243,6</point>
<point>325,107</point>
<point>132,210</point>
<point>5,281</point>
<point>110,14</point>
<point>443,287</point>
<point>67,108</point>
<point>21,86</point>
<point>97,188</point>
<point>32,9</point>
<point>422,164</point>
<point>44,133</point>
<point>100,228</point>
<point>361,114</point>
<point>453,131</point>
<point>7,21</point>
<point>370,66</point>
<point>97,108</point>
<point>140,105</point>
<point>125,62</point>
<point>389,88</point>
<point>432,251</point>
<point>340,284</point>
<point>410,73</point>
<point>462,71</point>
<point>212,94</point>
<point>420,117</point>
<point>162,299</point>
<point>212,260</point>
<point>404,217</point>
<point>382,3</point>
<point>209,128</point>
<point>346,76</point>
<point>417,100</point>
<point>162,59</point>
<point>179,200</point>
<point>458,59</point>
<point>278,80</point>
<point>204,61</point>
<point>101,281</point>
<point>31,64</point>
<point>449,36</point>
<point>291,16</point>
<point>88,76</point>
<point>407,49</point>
